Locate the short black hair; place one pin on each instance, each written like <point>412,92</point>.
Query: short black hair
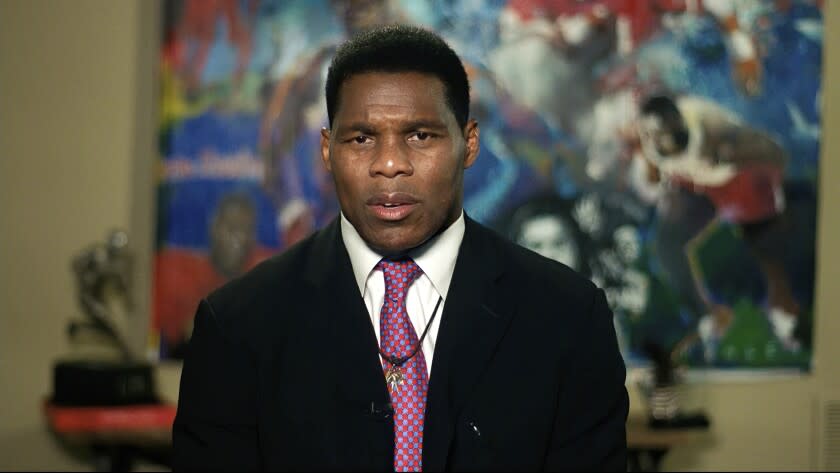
<point>663,107</point>
<point>400,48</point>
<point>542,205</point>
<point>666,109</point>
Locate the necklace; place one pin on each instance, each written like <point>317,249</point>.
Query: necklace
<point>394,375</point>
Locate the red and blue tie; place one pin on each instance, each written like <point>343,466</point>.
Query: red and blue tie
<point>399,339</point>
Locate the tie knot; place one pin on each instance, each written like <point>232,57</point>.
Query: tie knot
<point>399,274</point>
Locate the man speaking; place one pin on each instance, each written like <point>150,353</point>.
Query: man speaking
<point>404,335</point>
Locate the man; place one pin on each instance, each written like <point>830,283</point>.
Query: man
<point>404,335</point>
<point>545,225</point>
<point>183,277</point>
<point>704,149</point>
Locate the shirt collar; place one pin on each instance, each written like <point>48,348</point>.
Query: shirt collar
<point>436,257</point>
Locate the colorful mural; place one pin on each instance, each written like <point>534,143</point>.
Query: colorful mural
<point>667,149</point>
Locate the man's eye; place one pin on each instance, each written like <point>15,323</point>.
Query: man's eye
<point>419,136</point>
<point>361,139</point>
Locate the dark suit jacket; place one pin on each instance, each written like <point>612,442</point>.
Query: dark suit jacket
<point>283,373</point>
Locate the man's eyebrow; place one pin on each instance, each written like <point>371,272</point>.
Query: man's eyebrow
<point>368,129</point>
<point>424,123</point>
<point>361,127</point>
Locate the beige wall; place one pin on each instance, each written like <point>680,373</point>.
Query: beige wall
<point>69,77</point>
<point>76,138</point>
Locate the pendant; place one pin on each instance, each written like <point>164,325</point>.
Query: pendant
<point>394,377</point>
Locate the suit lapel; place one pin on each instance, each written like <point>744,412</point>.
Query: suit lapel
<point>475,317</point>
<point>350,347</point>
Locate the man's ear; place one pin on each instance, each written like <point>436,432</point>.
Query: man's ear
<point>471,135</point>
<point>325,148</point>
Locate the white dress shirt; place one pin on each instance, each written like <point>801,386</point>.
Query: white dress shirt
<point>436,258</point>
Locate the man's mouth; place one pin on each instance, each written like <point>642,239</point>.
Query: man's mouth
<point>392,207</point>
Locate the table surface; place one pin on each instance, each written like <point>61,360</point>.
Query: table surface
<point>641,436</point>
<point>141,425</point>
<point>122,425</point>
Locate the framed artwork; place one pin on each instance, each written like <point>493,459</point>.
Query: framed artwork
<point>667,149</point>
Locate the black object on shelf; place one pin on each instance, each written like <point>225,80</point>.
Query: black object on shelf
<point>102,383</point>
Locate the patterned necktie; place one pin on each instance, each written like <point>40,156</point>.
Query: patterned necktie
<point>398,339</point>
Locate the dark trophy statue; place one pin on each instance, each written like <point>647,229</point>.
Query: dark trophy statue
<point>662,394</point>
<point>102,369</point>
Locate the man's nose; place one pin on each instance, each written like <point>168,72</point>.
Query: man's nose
<point>392,159</point>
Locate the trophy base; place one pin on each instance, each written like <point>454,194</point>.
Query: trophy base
<point>102,383</point>
<point>697,420</point>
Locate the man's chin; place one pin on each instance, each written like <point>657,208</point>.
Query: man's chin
<point>396,246</point>
<point>392,251</point>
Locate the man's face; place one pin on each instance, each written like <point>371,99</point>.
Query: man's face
<point>549,236</point>
<point>627,243</point>
<point>660,134</point>
<point>232,238</point>
<point>397,156</point>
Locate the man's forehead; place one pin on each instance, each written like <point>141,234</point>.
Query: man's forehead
<point>377,92</point>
